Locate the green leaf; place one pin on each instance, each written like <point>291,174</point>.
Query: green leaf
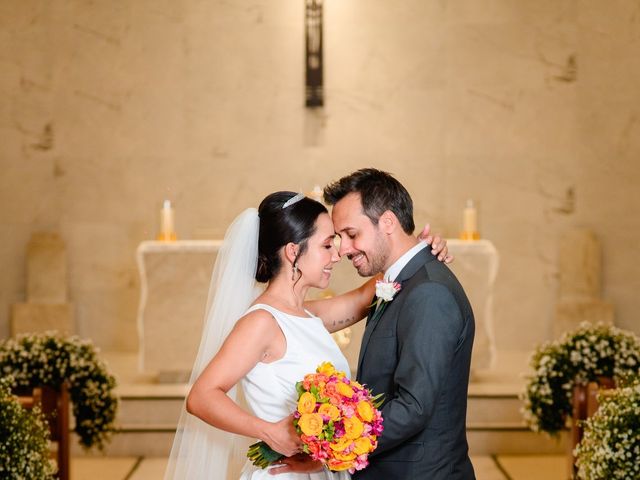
<point>378,400</point>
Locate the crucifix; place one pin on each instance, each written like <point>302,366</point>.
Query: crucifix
<point>313,54</point>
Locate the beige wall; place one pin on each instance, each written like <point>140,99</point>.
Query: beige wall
<point>108,107</point>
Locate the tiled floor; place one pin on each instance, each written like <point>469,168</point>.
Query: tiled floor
<point>534,467</point>
<point>505,467</point>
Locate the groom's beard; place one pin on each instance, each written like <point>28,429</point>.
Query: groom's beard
<point>376,260</point>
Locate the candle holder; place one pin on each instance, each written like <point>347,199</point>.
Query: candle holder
<point>470,222</point>
<point>167,223</point>
<point>469,236</point>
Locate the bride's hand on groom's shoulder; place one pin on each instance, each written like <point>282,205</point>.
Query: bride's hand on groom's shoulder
<point>438,244</point>
<point>282,437</point>
<point>300,463</point>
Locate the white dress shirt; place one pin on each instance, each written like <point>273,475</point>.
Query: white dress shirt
<point>394,270</point>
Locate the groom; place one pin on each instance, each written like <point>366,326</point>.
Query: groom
<point>416,349</point>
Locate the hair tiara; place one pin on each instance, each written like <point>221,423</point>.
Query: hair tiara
<point>292,200</point>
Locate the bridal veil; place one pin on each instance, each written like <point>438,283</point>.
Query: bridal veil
<point>199,450</point>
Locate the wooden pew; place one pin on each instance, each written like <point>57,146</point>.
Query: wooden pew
<point>585,404</point>
<point>55,406</point>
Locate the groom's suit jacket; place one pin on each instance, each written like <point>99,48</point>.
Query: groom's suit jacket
<point>418,353</point>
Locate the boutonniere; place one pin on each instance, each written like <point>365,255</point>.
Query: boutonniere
<point>385,291</point>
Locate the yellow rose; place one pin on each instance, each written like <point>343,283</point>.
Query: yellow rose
<point>341,444</point>
<point>311,424</point>
<point>330,411</point>
<point>344,390</point>
<point>307,403</point>
<point>338,465</point>
<point>326,368</point>
<point>345,457</point>
<point>363,445</point>
<point>353,428</point>
<point>365,412</point>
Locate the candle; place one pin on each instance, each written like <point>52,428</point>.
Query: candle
<point>470,222</point>
<point>316,193</point>
<point>167,224</point>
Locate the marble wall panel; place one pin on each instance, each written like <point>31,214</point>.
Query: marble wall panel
<point>13,284</point>
<point>530,108</point>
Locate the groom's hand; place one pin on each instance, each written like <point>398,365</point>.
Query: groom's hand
<point>438,244</point>
<point>301,463</point>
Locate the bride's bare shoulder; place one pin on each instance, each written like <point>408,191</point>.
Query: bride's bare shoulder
<point>259,320</point>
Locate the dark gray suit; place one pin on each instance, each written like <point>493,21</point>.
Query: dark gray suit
<point>418,353</point>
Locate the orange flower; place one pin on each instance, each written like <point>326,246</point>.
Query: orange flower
<point>309,379</point>
<point>311,424</point>
<point>306,403</point>
<point>353,428</point>
<point>337,465</point>
<point>341,444</point>
<point>330,411</point>
<point>332,394</point>
<point>365,411</point>
<point>363,445</point>
<point>344,389</point>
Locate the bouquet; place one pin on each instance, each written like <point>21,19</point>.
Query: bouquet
<point>337,419</point>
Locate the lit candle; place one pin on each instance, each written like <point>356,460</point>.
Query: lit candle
<point>316,193</point>
<point>470,222</point>
<point>167,225</point>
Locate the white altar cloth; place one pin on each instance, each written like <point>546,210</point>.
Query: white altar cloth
<point>476,266</point>
<point>175,277</point>
<point>174,284</point>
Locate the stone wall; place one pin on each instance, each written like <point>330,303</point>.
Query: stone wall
<point>529,107</point>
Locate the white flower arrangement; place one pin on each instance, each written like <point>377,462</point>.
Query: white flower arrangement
<point>24,439</point>
<point>50,359</point>
<point>581,356</point>
<point>610,446</point>
<point>385,291</point>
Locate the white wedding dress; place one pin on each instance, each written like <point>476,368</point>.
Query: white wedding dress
<point>269,388</point>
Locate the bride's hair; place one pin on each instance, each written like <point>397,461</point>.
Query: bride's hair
<point>279,226</point>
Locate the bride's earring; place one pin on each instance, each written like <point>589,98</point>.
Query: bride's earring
<point>295,271</point>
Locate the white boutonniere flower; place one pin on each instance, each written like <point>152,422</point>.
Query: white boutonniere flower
<point>385,291</point>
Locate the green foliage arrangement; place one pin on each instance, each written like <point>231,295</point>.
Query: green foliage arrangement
<point>51,359</point>
<point>581,356</point>
<point>24,439</point>
<point>610,447</point>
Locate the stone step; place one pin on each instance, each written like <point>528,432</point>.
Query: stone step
<point>149,412</point>
<point>138,411</point>
<point>148,416</point>
<point>515,441</point>
<point>492,411</point>
<point>156,440</point>
<point>142,412</point>
<point>131,443</point>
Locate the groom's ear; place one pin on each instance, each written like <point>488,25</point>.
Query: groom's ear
<point>388,222</point>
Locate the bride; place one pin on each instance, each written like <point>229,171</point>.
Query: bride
<point>265,344</point>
